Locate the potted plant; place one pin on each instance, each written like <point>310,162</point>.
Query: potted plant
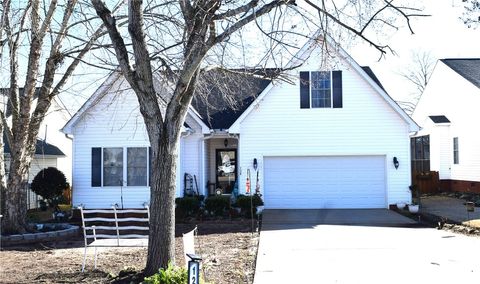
<point>401,205</point>
<point>413,208</point>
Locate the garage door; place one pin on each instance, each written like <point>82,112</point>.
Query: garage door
<point>324,182</point>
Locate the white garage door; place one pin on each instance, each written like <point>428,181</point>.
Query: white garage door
<point>325,182</point>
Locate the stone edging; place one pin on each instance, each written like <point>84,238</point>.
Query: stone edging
<point>70,231</point>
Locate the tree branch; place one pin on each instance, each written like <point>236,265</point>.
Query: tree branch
<point>242,9</point>
<point>241,23</point>
<point>117,40</point>
<point>143,74</point>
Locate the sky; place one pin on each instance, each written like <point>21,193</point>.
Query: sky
<point>442,34</point>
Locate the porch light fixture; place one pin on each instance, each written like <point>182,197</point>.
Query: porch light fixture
<point>225,142</point>
<point>395,162</point>
<point>255,164</point>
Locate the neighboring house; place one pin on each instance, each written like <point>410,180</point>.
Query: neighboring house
<point>53,148</point>
<point>326,139</point>
<point>448,112</point>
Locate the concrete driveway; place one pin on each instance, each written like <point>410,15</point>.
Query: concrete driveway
<point>360,246</point>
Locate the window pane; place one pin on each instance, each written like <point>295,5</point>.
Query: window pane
<point>320,90</point>
<point>426,147</point>
<point>455,150</point>
<point>418,148</point>
<point>316,99</point>
<point>137,166</point>
<point>112,166</point>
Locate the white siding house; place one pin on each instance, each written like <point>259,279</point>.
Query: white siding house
<point>331,157</point>
<point>448,111</point>
<point>336,151</point>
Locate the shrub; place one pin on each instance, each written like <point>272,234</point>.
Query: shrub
<point>217,204</point>
<point>50,183</point>
<point>171,275</point>
<point>243,201</point>
<point>187,206</point>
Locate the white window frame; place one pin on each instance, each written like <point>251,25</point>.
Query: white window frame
<point>125,166</point>
<point>331,89</point>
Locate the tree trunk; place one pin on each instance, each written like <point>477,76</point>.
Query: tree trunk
<point>3,184</point>
<point>15,217</point>
<point>161,246</point>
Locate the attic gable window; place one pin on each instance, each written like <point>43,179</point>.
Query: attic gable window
<point>321,89</point>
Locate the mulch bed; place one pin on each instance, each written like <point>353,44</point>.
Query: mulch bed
<point>228,249</point>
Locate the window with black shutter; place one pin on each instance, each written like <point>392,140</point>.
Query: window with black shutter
<point>321,89</point>
<point>96,167</point>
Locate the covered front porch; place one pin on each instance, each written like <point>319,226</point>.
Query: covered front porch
<point>215,171</point>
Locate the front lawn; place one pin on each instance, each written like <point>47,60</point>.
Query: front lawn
<point>228,249</point>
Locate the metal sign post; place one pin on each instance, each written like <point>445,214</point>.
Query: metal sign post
<point>470,208</point>
<point>194,269</point>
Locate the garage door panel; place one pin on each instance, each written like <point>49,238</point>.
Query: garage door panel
<point>325,182</point>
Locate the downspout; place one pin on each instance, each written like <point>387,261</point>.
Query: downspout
<point>203,161</point>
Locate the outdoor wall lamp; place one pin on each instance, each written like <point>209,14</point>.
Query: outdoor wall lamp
<point>225,142</point>
<point>395,162</point>
<point>255,164</point>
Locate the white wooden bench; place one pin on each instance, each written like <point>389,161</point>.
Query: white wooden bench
<point>114,230</point>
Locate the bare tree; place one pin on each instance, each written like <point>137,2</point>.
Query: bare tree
<point>40,40</point>
<point>471,15</point>
<point>179,38</point>
<point>417,73</point>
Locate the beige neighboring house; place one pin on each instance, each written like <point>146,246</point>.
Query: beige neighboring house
<point>53,148</point>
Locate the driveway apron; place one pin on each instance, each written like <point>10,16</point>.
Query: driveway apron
<point>360,246</point>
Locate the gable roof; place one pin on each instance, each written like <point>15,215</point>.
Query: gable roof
<point>364,72</point>
<point>41,148</point>
<point>439,118</point>
<point>213,110</point>
<point>217,113</point>
<point>468,68</point>
<point>100,92</point>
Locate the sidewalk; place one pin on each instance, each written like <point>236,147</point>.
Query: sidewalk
<point>451,208</point>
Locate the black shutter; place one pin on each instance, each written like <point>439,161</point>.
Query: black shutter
<point>337,89</point>
<point>96,167</point>
<point>304,89</point>
<point>150,166</point>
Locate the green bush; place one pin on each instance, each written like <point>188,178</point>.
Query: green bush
<point>217,204</point>
<point>243,201</point>
<point>187,206</point>
<point>171,275</point>
<point>50,183</point>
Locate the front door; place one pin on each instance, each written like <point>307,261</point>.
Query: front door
<point>226,169</point>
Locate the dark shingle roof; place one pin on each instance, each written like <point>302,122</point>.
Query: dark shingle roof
<point>41,148</point>
<point>439,118</point>
<point>215,109</point>
<point>468,68</point>
<point>225,95</point>
<point>370,74</point>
